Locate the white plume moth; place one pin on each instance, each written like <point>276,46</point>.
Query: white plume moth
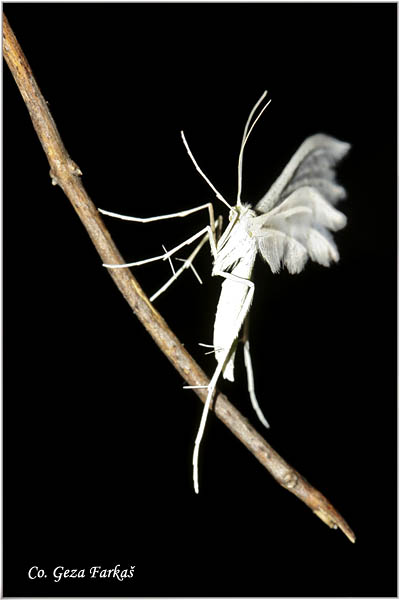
<point>290,224</point>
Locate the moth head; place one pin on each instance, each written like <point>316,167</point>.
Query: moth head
<point>234,213</point>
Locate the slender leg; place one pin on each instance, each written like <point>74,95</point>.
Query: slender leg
<point>208,346</point>
<point>182,213</point>
<point>211,389</point>
<point>212,385</point>
<point>190,264</point>
<point>169,260</point>
<point>165,256</point>
<point>187,263</point>
<point>210,229</point>
<point>250,377</point>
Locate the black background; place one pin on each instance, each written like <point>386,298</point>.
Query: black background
<point>98,433</point>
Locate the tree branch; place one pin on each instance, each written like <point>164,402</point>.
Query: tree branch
<point>65,173</point>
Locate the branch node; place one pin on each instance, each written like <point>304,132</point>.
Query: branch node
<point>290,480</point>
<point>54,178</point>
<point>73,167</point>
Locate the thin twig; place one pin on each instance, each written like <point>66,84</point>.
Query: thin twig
<point>65,173</point>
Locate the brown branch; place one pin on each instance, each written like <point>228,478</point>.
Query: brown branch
<point>65,173</point>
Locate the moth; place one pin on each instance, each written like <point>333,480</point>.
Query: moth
<point>290,224</point>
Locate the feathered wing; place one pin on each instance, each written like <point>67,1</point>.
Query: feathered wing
<point>298,212</point>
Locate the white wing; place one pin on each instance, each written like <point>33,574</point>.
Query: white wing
<point>298,211</point>
<point>312,165</point>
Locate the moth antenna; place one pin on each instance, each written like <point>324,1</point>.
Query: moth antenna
<point>246,134</point>
<point>253,110</point>
<point>219,196</point>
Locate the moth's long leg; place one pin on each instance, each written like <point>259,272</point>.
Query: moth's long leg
<point>182,213</point>
<point>206,230</point>
<point>187,263</point>
<point>250,377</point>
<point>211,386</point>
<point>191,265</point>
<point>200,432</point>
<point>169,260</point>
